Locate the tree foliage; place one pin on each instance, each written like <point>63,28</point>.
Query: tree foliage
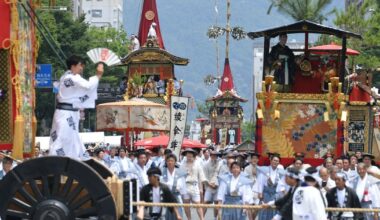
<point>73,36</point>
<point>204,109</point>
<point>363,19</point>
<point>248,130</point>
<point>312,10</point>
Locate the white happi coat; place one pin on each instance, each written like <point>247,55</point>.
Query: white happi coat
<point>64,134</point>
<point>309,203</point>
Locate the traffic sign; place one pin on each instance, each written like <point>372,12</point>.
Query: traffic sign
<point>44,75</point>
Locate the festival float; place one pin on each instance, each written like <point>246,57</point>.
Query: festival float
<point>18,52</point>
<point>151,83</point>
<point>226,113</point>
<point>61,187</point>
<point>327,110</point>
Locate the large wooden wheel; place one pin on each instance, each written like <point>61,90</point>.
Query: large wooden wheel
<point>55,188</point>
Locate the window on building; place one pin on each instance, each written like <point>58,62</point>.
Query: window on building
<point>96,13</point>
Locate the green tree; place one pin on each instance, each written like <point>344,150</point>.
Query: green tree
<point>73,36</point>
<point>248,130</point>
<point>204,109</point>
<point>312,10</point>
<point>364,20</point>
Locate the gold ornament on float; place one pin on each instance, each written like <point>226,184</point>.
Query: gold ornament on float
<point>149,15</point>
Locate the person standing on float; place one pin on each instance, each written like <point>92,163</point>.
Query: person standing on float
<point>74,93</point>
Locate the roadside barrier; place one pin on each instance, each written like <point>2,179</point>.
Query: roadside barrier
<point>329,209</point>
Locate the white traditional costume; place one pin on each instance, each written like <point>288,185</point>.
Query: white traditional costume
<point>235,191</point>
<point>177,185</point>
<point>309,203</point>
<point>367,189</point>
<point>269,180</point>
<point>74,93</point>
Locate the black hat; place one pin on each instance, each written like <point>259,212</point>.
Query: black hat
<point>214,152</point>
<point>189,150</point>
<point>232,154</point>
<point>253,153</point>
<point>154,171</point>
<point>368,155</point>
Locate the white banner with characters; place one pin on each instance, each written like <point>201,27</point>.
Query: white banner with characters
<point>178,116</point>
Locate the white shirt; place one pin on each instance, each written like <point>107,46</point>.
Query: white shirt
<point>360,187</point>
<point>156,199</point>
<point>170,179</point>
<point>234,182</point>
<point>73,87</point>
<point>245,191</point>
<point>142,173</point>
<point>341,194</point>
<point>125,163</point>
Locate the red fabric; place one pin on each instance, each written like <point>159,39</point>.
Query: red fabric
<point>358,94</point>
<point>164,141</point>
<point>214,135</point>
<point>258,136</point>
<point>5,23</point>
<point>332,47</point>
<point>308,84</point>
<point>148,7</point>
<point>227,83</point>
<point>340,138</point>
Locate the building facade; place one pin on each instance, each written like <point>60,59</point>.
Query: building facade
<point>103,13</point>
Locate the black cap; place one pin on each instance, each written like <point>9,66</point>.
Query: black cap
<point>216,153</point>
<point>253,153</point>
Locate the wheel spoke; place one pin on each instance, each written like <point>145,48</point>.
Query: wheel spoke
<point>21,204</point>
<point>73,194</point>
<point>36,190</point>
<point>28,197</point>
<point>67,186</point>
<point>80,202</point>
<point>56,184</point>
<point>45,186</point>
<point>85,212</point>
<point>19,214</point>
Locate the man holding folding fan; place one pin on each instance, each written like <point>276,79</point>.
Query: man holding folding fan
<point>74,93</point>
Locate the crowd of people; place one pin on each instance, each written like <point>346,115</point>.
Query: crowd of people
<point>299,191</point>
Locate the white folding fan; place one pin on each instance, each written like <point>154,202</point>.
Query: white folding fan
<point>104,55</point>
